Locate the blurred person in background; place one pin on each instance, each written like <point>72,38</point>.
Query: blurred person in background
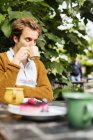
<point>76,70</point>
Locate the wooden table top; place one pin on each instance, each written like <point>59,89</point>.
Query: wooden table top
<point>14,127</point>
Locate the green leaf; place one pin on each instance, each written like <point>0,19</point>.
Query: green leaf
<point>57,92</point>
<point>35,0</point>
<point>57,67</point>
<point>52,37</point>
<point>81,2</point>
<point>73,38</point>
<point>6,28</point>
<point>2,18</point>
<point>91,1</point>
<point>18,14</point>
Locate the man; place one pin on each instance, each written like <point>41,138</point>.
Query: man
<point>17,69</point>
<point>76,74</point>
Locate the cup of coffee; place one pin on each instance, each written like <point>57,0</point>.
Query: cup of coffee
<point>34,52</point>
<point>14,95</point>
<point>79,109</point>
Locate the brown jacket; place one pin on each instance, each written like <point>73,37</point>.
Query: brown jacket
<point>8,76</point>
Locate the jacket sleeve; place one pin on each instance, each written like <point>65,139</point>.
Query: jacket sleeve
<point>8,74</point>
<point>43,89</point>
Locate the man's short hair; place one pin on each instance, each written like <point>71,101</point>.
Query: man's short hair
<point>19,24</point>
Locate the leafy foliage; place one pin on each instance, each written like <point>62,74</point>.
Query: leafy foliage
<point>56,41</point>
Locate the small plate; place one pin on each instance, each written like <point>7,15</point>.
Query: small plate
<point>53,112</point>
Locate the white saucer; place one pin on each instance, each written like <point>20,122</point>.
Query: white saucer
<point>53,111</point>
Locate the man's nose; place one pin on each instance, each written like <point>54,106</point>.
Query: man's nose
<point>33,43</point>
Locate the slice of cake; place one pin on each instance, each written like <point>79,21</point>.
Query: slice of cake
<point>34,106</point>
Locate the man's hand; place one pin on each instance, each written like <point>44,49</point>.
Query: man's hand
<point>21,55</point>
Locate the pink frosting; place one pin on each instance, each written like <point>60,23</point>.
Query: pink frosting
<point>34,108</point>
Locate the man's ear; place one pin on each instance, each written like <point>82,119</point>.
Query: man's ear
<point>15,39</point>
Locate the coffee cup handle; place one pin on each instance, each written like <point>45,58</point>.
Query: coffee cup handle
<point>87,113</point>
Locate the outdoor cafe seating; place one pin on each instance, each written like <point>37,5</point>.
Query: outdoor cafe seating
<point>51,125</point>
<point>54,127</point>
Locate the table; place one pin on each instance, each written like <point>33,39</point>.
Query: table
<point>14,128</point>
<point>81,83</point>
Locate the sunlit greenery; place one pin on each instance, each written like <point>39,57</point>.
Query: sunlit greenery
<point>64,30</point>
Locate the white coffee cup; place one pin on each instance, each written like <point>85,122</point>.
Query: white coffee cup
<point>34,52</point>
